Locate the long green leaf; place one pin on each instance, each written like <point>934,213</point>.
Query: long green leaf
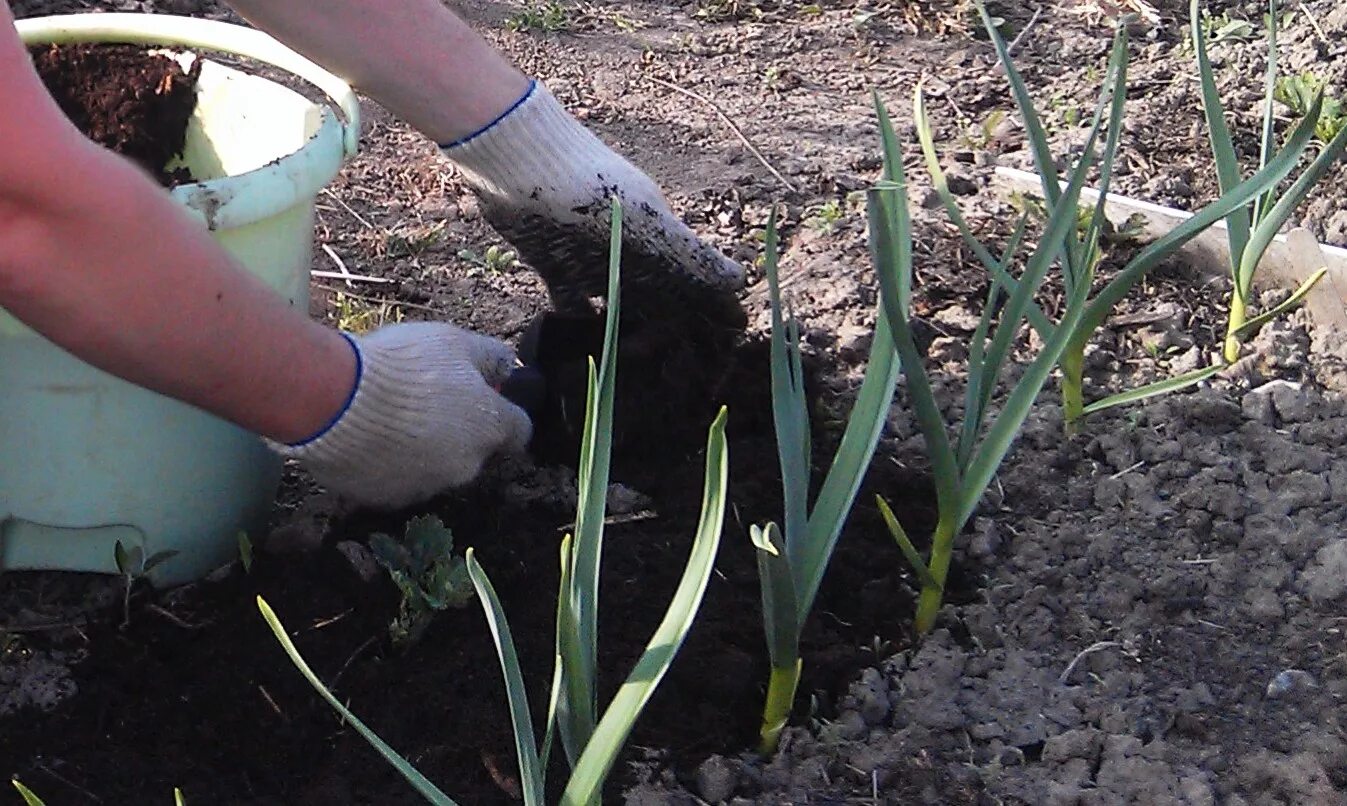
<point>531,771</point>
<point>999,269</point>
<point>1290,201</point>
<point>1218,133</point>
<point>789,407</point>
<point>1077,258</point>
<point>913,556</point>
<point>978,392</point>
<point>886,231</point>
<point>595,763</point>
<point>1004,430</point>
<point>418,781</point>
<point>781,618</point>
<point>1059,229</point>
<point>1268,144</point>
<point>868,416</point>
<point>29,797</point>
<point>1038,136</point>
<point>1164,387</point>
<point>1118,100</point>
<point>581,670</point>
<point>565,636</point>
<point>1243,331</point>
<point>1156,251</point>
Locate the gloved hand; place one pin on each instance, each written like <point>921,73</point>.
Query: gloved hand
<point>545,183</point>
<point>424,416</point>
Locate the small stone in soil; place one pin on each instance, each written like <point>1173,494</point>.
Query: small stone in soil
<point>1290,681</point>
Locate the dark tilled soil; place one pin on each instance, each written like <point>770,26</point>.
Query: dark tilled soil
<point>125,99</point>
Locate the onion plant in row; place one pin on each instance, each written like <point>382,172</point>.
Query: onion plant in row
<point>963,466</point>
<point>1081,250</point>
<point>792,562</point>
<point>1250,229</point>
<point>592,743</point>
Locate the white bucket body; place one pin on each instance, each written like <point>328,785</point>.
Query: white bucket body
<point>86,459</point>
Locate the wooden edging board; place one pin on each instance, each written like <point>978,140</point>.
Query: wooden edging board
<point>1288,262</point>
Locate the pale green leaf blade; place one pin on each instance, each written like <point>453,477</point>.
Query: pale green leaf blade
<point>581,676</point>
<point>1218,133</point>
<point>418,781</point>
<point>586,784</point>
<point>788,402</point>
<point>29,797</point>
<point>1262,319</point>
<point>530,770</point>
<point>780,609</point>
<point>1163,387</point>
<point>913,556</point>
<point>887,231</point>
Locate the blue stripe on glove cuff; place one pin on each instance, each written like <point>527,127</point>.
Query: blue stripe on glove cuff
<point>533,86</point>
<point>359,374</point>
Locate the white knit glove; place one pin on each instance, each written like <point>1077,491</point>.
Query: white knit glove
<point>424,416</point>
<point>545,183</point>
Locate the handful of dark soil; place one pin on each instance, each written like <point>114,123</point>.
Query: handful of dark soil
<point>125,99</point>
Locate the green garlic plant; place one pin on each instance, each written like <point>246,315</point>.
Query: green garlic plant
<point>792,561</point>
<point>964,466</point>
<point>1081,251</point>
<point>592,743</point>
<point>1251,230</point>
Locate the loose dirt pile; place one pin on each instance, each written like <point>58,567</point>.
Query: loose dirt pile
<point>125,99</point>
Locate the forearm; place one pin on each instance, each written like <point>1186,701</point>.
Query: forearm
<point>119,276</point>
<point>414,57</point>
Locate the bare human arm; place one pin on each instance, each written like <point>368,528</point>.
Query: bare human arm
<point>543,179</point>
<point>85,235</point>
<point>99,260</point>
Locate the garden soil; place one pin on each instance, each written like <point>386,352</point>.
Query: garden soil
<point>1151,611</point>
<point>124,98</point>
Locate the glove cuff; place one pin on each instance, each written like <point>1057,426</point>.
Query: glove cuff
<point>377,411</point>
<point>533,140</point>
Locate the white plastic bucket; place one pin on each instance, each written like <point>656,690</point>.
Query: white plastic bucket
<point>86,459</point>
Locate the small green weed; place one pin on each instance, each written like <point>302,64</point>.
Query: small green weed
<point>495,260</point>
<point>133,565</point>
<point>413,241</point>
<point>1297,93</point>
<point>358,315</point>
<point>549,17</point>
<point>827,216</point>
<point>424,568</point>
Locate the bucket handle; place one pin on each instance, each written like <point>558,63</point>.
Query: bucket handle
<point>189,32</point>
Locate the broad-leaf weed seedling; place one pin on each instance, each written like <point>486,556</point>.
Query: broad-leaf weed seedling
<point>133,565</point>
<point>792,558</point>
<point>1250,230</point>
<point>1297,94</point>
<point>549,17</point>
<point>592,744</point>
<point>1081,251</point>
<point>428,575</point>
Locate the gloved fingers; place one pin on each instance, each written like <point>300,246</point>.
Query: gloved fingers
<point>515,429</point>
<point>493,358</point>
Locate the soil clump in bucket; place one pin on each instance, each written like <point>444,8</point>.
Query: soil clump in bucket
<point>124,98</point>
